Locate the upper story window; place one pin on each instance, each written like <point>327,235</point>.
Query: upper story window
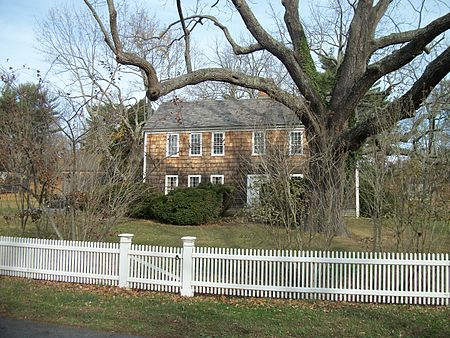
<point>218,144</point>
<point>258,143</point>
<point>295,142</point>
<point>195,144</point>
<point>173,144</point>
<point>171,183</point>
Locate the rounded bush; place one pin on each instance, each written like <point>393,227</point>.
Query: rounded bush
<point>142,208</point>
<point>189,206</point>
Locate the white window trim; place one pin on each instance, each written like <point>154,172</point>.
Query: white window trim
<point>189,179</point>
<point>253,142</point>
<point>222,177</point>
<point>166,183</point>
<point>301,142</point>
<point>297,175</point>
<point>178,145</point>
<point>201,144</point>
<point>212,143</point>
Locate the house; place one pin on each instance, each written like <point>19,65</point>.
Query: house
<point>220,141</point>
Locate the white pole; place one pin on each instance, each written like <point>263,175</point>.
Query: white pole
<point>357,211</point>
<point>144,167</point>
<point>188,248</point>
<point>124,264</point>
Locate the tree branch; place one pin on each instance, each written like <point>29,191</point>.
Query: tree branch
<point>257,31</point>
<point>237,49</point>
<point>298,106</point>
<point>393,39</point>
<point>402,108</point>
<point>356,57</point>
<point>394,61</point>
<point>379,10</point>
<point>122,57</point>
<point>305,81</point>
<point>296,31</point>
<point>406,54</point>
<point>100,24</point>
<point>187,39</point>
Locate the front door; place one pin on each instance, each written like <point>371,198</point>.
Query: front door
<point>253,189</point>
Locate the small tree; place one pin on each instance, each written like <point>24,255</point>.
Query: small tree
<point>405,179</point>
<point>30,146</point>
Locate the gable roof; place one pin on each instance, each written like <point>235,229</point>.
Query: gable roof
<point>221,114</point>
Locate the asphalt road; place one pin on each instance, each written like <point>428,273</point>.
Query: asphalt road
<point>17,328</point>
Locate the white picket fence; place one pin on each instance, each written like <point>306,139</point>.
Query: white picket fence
<point>399,278</point>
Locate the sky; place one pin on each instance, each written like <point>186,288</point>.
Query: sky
<point>17,22</point>
<point>18,18</point>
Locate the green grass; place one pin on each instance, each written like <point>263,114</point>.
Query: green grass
<point>228,232</point>
<point>164,315</point>
<point>235,233</point>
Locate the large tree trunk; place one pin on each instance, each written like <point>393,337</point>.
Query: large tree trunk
<point>327,179</point>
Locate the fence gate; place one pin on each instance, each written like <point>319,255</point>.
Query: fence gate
<point>154,268</point>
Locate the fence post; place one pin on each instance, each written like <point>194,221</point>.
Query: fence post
<point>186,277</point>
<point>124,264</point>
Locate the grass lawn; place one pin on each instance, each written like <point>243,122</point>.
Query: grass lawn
<point>164,315</point>
<point>232,233</point>
<point>228,232</point>
<point>236,233</point>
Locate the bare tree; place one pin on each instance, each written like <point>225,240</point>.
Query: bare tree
<point>404,179</point>
<point>367,56</point>
<point>69,39</point>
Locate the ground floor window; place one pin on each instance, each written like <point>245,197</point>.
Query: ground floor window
<point>297,176</point>
<point>194,180</point>
<point>217,179</point>
<point>171,183</point>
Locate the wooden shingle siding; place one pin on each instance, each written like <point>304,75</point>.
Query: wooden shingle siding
<point>235,165</point>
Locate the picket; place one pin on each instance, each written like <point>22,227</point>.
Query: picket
<point>343,276</point>
<point>401,278</point>
<point>68,261</point>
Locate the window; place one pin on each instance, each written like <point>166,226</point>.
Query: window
<point>171,183</point>
<point>195,144</point>
<point>194,180</point>
<point>298,183</point>
<point>218,144</point>
<point>295,143</point>
<point>296,176</point>
<point>259,143</point>
<point>173,144</point>
<point>217,179</point>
